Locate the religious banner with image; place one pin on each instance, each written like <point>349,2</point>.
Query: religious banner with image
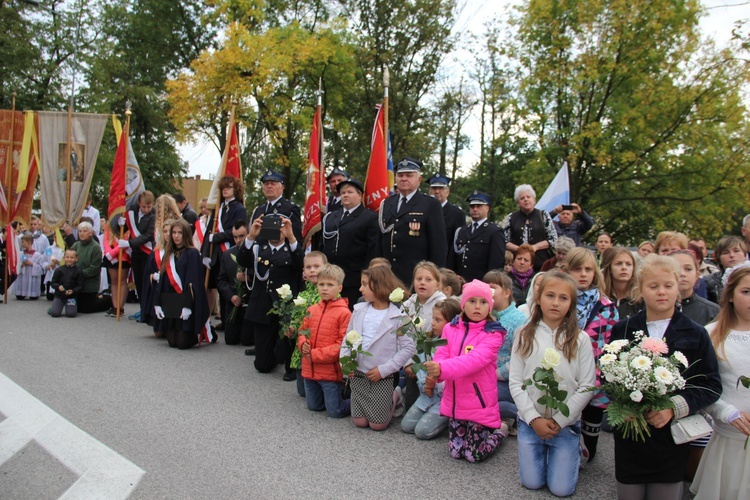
<point>15,204</point>
<point>68,158</point>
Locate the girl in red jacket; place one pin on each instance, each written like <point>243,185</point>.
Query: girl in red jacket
<point>326,324</point>
<point>467,365</point>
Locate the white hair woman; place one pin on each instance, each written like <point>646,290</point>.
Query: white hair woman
<point>530,225</point>
<point>90,262</point>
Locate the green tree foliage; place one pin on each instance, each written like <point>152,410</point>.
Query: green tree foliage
<point>648,116</point>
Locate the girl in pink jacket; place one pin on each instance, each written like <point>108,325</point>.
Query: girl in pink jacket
<point>467,366</point>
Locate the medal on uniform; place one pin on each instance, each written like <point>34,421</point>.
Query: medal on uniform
<point>265,262</point>
<point>414,228</point>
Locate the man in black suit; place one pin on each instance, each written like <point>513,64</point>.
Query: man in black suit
<point>478,247</point>
<point>271,264</point>
<point>233,289</point>
<point>186,210</point>
<point>411,224</point>
<point>350,237</point>
<point>273,190</point>
<point>333,179</point>
<point>454,217</point>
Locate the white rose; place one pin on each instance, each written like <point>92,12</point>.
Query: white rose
<point>299,301</point>
<point>418,322</point>
<point>607,359</point>
<point>353,338</point>
<point>636,396</point>
<point>641,363</point>
<point>284,291</point>
<point>681,358</point>
<point>551,358</point>
<point>664,375</point>
<point>397,295</point>
<point>616,346</point>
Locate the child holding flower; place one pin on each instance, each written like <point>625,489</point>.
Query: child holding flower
<point>596,316</point>
<point>326,321</point>
<point>655,468</point>
<point>419,306</point>
<point>467,366</point>
<point>549,432</point>
<point>377,319</point>
<point>424,419</point>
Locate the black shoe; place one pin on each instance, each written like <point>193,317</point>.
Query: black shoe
<point>290,376</point>
<point>250,351</point>
<point>111,312</point>
<point>219,327</point>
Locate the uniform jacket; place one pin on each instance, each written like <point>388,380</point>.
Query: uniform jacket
<point>269,271</point>
<point>146,228</point>
<point>473,254</point>
<point>350,243</point>
<point>467,366</point>
<point>285,208</point>
<point>327,322</point>
<point>226,280</point>
<point>414,233</point>
<point>389,351</point>
<point>234,212</point>
<point>455,219</point>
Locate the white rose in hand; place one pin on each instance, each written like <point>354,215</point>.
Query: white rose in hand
<point>551,358</point>
<point>353,338</point>
<point>397,295</point>
<point>418,322</point>
<point>300,301</point>
<point>284,291</point>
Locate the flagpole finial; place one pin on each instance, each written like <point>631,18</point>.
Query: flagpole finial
<point>386,77</point>
<point>128,105</point>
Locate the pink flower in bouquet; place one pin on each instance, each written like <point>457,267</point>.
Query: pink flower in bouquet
<point>655,346</point>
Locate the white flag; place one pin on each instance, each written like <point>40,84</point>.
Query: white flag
<point>558,192</point>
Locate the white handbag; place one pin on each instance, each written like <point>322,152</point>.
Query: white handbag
<point>690,428</point>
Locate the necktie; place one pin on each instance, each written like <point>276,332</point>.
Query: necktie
<point>269,208</point>
<point>403,202</point>
<point>224,210</point>
<point>273,251</point>
<point>474,227</point>
<point>346,214</point>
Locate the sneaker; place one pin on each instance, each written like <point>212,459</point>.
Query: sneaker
<point>111,312</point>
<point>135,316</point>
<point>398,402</point>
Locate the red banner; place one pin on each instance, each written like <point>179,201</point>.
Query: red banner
<point>316,187</point>
<point>234,167</point>
<point>116,203</point>
<point>376,184</point>
<point>15,206</point>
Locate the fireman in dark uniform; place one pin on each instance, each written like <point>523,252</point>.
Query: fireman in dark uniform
<point>479,246</point>
<point>454,217</point>
<point>411,224</point>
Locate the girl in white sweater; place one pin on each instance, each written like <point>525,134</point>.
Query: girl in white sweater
<point>549,451</point>
<point>724,471</point>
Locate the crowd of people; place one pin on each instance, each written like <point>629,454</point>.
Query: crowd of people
<point>422,312</point>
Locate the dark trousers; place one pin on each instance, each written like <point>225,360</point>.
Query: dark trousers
<point>90,302</point>
<point>68,305</point>
<point>233,328</point>
<point>269,349</point>
<point>247,333</point>
<point>138,266</point>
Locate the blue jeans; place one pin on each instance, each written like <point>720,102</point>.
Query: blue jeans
<point>508,408</point>
<point>328,396</point>
<point>552,462</point>
<point>424,425</point>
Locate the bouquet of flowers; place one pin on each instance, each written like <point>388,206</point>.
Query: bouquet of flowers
<point>307,297</point>
<point>291,311</point>
<point>414,326</point>
<point>638,379</point>
<point>546,380</point>
<point>353,343</point>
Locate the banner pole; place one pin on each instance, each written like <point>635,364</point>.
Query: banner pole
<point>8,194</point>
<point>123,137</point>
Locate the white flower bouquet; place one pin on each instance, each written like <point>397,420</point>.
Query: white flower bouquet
<point>638,378</point>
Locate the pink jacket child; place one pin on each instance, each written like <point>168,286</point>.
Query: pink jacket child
<point>467,366</point>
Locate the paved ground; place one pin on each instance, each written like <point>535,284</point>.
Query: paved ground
<point>203,424</point>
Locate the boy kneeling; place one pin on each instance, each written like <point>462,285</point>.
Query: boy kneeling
<point>326,324</point>
<point>67,283</point>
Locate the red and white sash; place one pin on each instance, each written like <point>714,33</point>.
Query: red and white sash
<point>147,247</point>
<point>220,229</point>
<point>200,232</point>
<point>174,278</point>
<point>158,256</point>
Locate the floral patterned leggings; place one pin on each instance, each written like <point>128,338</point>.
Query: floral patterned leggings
<point>472,441</point>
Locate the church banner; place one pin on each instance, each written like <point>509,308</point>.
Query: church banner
<point>14,205</point>
<point>67,168</point>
